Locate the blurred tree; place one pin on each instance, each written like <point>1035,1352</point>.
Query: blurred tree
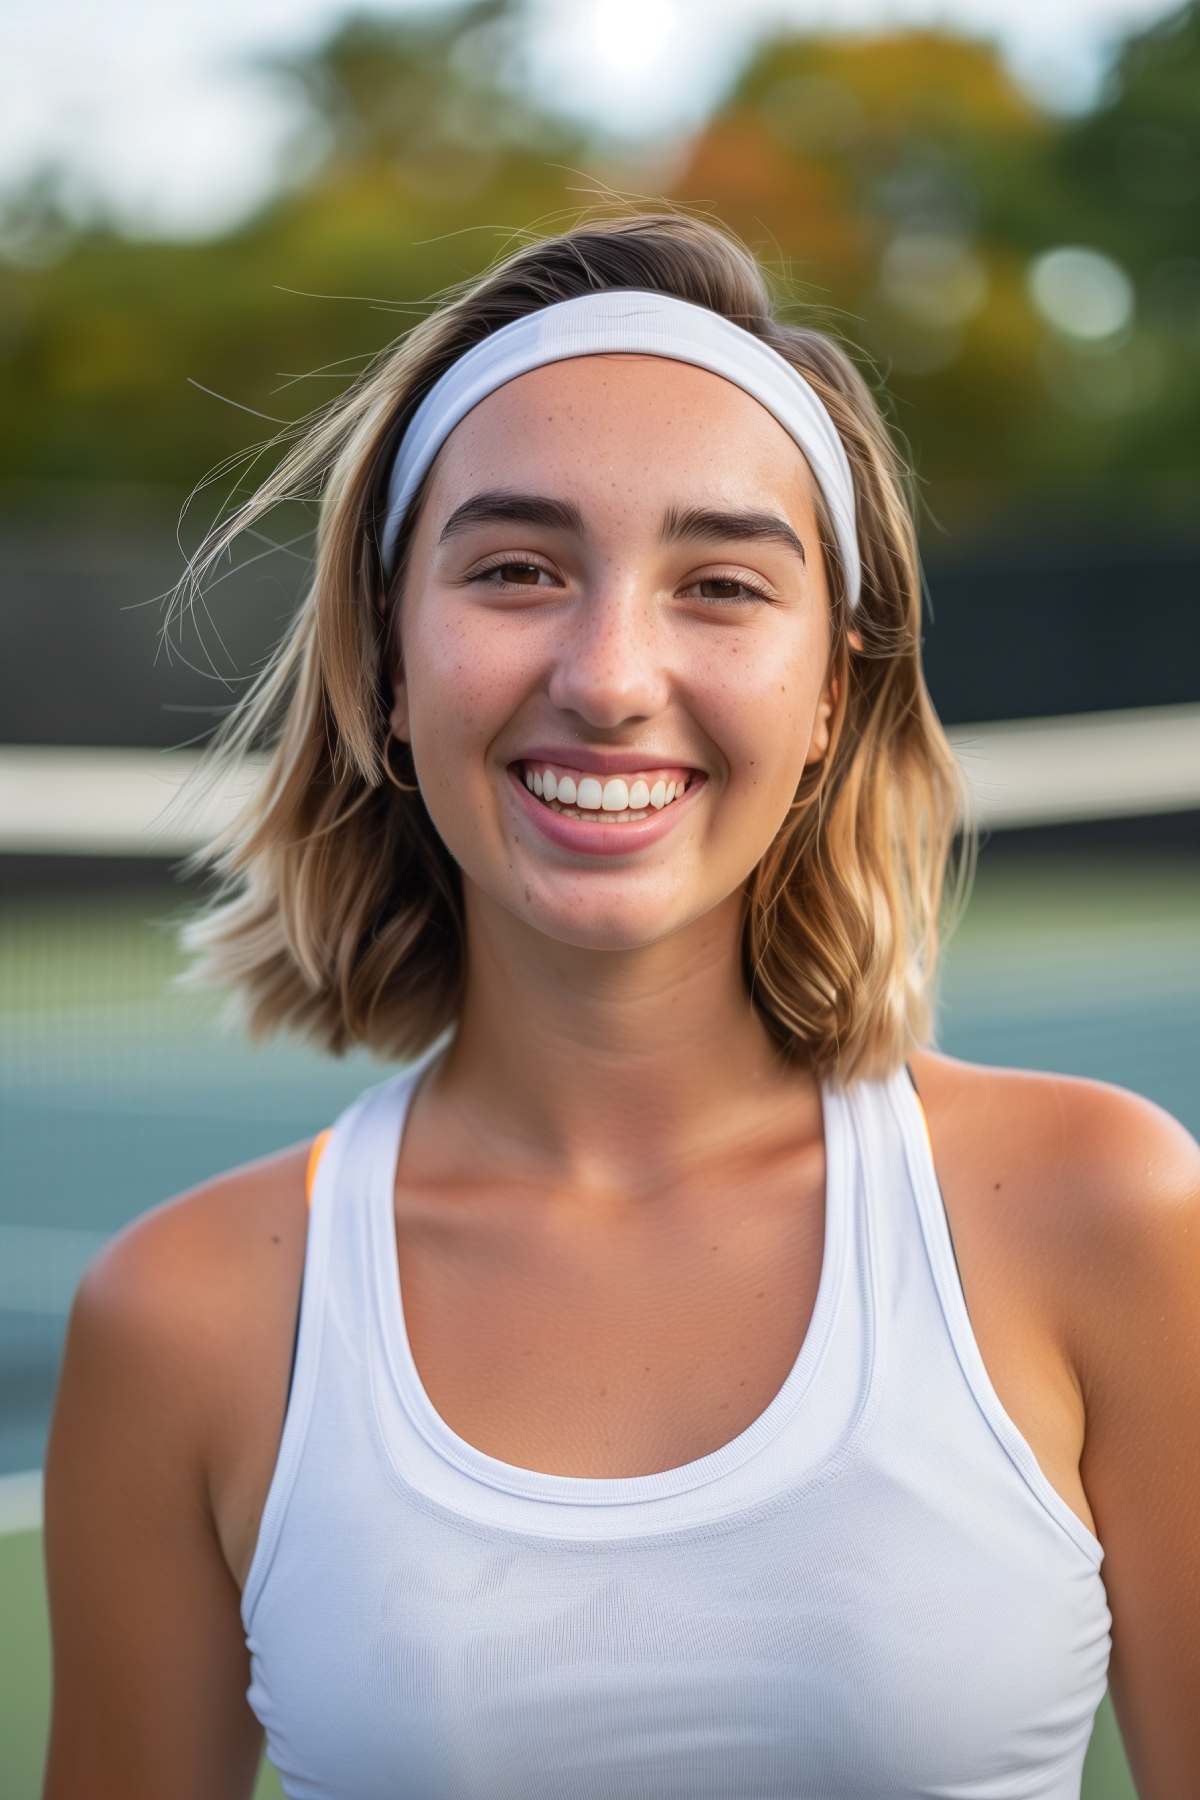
<point>1128,176</point>
<point>900,159</point>
<point>1025,285</point>
<point>411,131</point>
<point>921,204</point>
<point>1133,164</point>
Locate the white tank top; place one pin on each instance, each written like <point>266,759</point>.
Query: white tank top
<point>873,1590</point>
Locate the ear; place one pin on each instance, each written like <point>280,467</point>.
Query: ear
<point>819,746</point>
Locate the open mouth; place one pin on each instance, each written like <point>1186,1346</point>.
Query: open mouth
<point>611,800</point>
<point>606,830</point>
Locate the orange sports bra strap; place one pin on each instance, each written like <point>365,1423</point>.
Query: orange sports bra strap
<point>314,1157</point>
<point>924,1119</point>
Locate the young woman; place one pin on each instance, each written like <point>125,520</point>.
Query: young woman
<point>701,1386</point>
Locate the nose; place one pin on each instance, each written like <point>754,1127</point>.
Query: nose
<point>610,664</point>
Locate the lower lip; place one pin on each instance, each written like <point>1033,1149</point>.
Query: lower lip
<point>600,839</point>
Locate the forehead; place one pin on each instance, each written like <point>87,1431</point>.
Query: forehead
<point>625,426</point>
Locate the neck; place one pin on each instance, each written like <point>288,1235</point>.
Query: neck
<point>614,1076</point>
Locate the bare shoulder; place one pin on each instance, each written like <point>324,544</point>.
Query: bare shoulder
<point>169,1352</point>
<point>209,1280</point>
<point>1090,1172</point>
<point>1088,1138</point>
<point>224,1229</point>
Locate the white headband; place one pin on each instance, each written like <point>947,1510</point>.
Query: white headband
<point>639,321</point>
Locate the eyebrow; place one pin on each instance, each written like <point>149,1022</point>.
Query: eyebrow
<point>506,506</point>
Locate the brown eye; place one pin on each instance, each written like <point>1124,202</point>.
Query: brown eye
<point>512,563</point>
<point>747,592</point>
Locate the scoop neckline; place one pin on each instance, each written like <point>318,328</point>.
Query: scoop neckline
<point>397,1097</point>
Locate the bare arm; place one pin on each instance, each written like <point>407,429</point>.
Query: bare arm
<point>150,1666</point>
<point>1138,1268</point>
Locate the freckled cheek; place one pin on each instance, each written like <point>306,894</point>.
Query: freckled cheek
<point>464,690</point>
<point>759,718</point>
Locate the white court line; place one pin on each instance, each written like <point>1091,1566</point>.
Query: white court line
<point>21,1502</point>
<point>57,801</point>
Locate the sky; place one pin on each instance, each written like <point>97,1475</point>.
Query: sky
<point>146,103</point>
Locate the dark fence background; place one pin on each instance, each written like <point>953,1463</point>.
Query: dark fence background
<point>1079,615</point>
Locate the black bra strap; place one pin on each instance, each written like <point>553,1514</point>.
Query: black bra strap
<point>938,1185</point>
<point>295,1347</point>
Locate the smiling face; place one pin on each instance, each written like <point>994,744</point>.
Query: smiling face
<point>629,634</point>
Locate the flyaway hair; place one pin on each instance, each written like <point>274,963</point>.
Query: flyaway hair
<point>337,910</point>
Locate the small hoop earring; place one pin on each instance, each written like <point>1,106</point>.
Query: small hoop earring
<point>387,769</point>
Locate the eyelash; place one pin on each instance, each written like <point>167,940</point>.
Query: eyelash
<point>525,562</point>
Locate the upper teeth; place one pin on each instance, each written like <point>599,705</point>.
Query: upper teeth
<point>613,795</point>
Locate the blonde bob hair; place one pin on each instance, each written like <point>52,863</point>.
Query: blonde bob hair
<point>338,910</point>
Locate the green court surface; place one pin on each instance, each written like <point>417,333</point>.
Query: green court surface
<point>25,1678</point>
<point>116,1092</point>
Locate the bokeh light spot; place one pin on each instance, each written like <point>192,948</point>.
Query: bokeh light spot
<point>1081,292</point>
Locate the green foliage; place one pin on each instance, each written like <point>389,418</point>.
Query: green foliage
<point>900,186</point>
